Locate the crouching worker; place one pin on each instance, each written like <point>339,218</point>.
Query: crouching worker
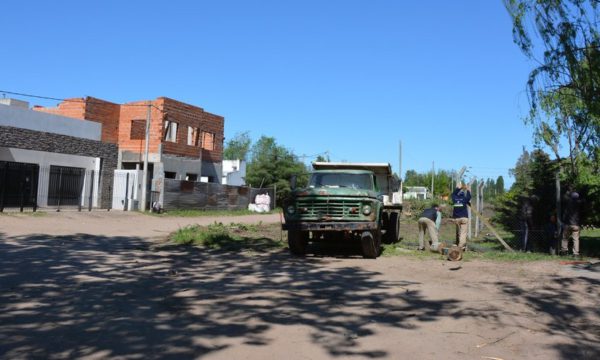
<point>429,222</point>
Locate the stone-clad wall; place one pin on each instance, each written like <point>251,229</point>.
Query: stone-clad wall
<point>12,137</point>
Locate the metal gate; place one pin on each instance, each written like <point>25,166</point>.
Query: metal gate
<point>66,185</point>
<point>18,185</point>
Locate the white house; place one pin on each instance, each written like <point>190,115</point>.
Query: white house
<point>234,172</point>
<point>416,192</point>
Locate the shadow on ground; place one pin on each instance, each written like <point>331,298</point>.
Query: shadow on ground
<point>82,295</point>
<point>558,300</point>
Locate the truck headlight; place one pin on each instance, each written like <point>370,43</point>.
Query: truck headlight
<point>291,209</point>
<point>366,209</point>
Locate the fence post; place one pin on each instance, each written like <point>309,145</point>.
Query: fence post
<point>22,192</point>
<point>91,197</point>
<point>3,188</point>
<point>557,245</point>
<point>81,189</point>
<point>35,188</point>
<point>126,192</point>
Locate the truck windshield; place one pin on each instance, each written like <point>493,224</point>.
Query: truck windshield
<point>334,180</point>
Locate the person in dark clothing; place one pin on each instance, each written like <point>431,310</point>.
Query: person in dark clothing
<point>571,220</point>
<point>552,234</point>
<point>526,223</point>
<point>429,222</point>
<point>461,199</point>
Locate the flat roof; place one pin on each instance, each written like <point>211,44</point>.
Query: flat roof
<point>379,168</point>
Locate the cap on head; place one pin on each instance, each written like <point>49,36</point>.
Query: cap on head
<point>574,195</point>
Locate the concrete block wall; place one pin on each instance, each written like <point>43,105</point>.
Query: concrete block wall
<point>11,137</point>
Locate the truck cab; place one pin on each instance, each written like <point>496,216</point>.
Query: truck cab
<point>346,202</point>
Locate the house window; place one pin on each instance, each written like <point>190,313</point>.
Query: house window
<point>138,130</point>
<point>208,141</point>
<point>170,174</point>
<point>170,131</point>
<point>191,177</point>
<point>192,138</point>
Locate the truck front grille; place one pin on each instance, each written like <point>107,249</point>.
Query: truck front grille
<point>313,208</point>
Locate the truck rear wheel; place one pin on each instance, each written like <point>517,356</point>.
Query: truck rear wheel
<point>393,230</point>
<point>298,241</point>
<point>370,243</point>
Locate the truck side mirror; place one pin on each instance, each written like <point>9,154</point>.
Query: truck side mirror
<point>293,182</point>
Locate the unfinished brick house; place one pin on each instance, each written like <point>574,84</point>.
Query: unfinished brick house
<point>185,143</point>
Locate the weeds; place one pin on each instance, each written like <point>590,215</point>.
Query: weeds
<point>235,236</point>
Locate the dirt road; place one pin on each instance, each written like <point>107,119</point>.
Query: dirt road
<point>76,286</point>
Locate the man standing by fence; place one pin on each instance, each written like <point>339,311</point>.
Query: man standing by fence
<point>461,199</point>
<point>571,218</point>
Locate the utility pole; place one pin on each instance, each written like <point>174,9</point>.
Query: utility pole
<point>146,147</point>
<point>400,164</point>
<point>432,176</point>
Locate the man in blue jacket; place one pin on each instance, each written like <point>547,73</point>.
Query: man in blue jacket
<point>461,199</point>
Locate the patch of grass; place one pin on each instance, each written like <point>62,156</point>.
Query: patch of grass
<point>198,213</point>
<point>233,237</point>
<point>484,247</point>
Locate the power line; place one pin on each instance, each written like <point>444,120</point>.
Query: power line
<point>92,101</point>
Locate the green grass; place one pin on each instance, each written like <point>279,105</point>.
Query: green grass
<point>485,246</point>
<point>198,213</point>
<point>231,237</point>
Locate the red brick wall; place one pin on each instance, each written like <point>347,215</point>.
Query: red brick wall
<point>106,113</point>
<point>116,124</point>
<point>138,111</point>
<point>188,115</point>
<point>92,109</point>
<point>73,108</point>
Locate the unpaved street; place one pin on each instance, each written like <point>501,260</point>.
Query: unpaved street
<point>106,285</point>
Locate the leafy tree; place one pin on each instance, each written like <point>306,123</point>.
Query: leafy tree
<point>237,147</point>
<point>500,185</point>
<point>321,158</point>
<point>533,174</point>
<point>564,88</point>
<point>272,164</point>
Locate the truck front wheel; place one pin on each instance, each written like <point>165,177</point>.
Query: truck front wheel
<point>370,243</point>
<point>298,241</point>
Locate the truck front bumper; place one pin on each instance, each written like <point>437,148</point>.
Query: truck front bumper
<point>331,226</point>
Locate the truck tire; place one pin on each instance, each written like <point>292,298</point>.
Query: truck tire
<point>298,241</point>
<point>370,243</point>
<point>393,229</point>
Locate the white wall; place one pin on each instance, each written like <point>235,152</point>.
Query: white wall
<point>34,120</point>
<point>234,172</point>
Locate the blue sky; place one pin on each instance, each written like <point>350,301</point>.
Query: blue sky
<point>348,77</point>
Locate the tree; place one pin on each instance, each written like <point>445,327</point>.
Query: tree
<point>272,164</point>
<point>237,147</point>
<point>500,185</point>
<point>564,89</point>
<point>321,158</point>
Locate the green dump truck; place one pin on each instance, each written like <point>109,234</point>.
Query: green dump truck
<point>345,202</point>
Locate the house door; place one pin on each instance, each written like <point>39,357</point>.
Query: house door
<point>18,184</point>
